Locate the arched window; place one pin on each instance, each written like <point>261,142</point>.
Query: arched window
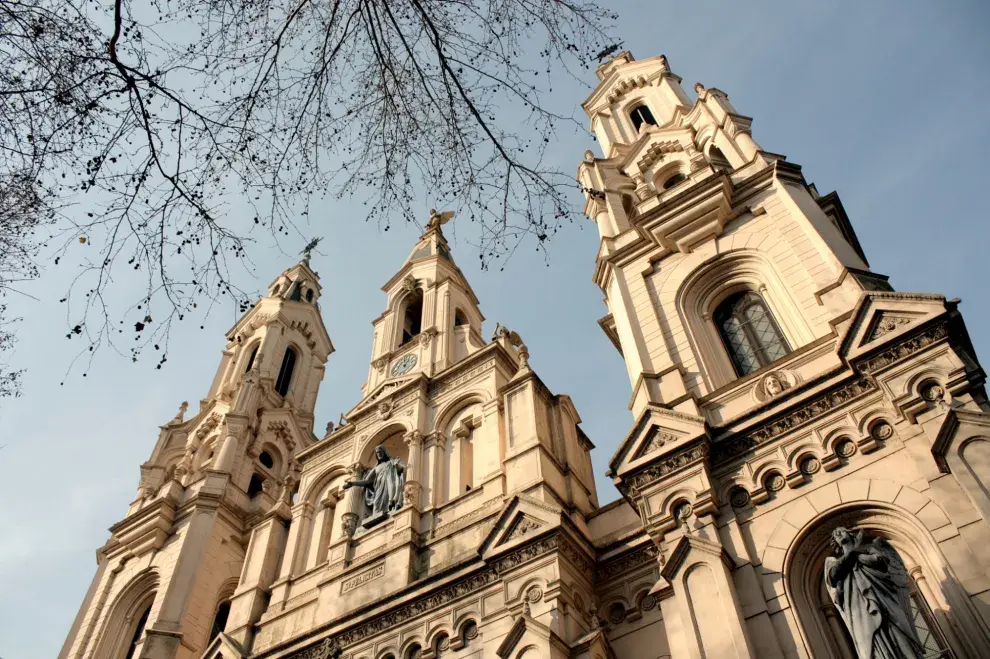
<point>285,372</point>
<point>250,361</point>
<point>296,293</point>
<point>266,459</point>
<point>220,620</point>
<point>256,486</point>
<point>717,158</point>
<point>459,318</point>
<point>412,322</point>
<point>309,295</point>
<point>673,180</point>
<point>138,632</point>
<point>750,334</point>
<point>641,115</point>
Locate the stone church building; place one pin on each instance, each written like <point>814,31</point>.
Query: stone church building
<point>779,389</point>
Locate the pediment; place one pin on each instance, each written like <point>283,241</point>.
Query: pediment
<point>522,518</point>
<point>884,315</point>
<point>222,647</point>
<point>658,432</point>
<point>524,631</point>
<point>383,392</point>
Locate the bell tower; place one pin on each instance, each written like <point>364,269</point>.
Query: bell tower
<point>690,211</point>
<point>769,365</point>
<point>432,319</point>
<point>169,578</point>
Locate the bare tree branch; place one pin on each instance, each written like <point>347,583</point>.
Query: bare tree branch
<point>154,119</point>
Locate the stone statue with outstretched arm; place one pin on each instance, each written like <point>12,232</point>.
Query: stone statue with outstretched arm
<point>868,584</point>
<point>382,487</point>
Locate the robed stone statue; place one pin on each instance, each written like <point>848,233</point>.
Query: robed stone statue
<point>382,487</point>
<point>868,584</point>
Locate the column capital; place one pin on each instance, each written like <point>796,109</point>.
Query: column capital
<point>413,437</point>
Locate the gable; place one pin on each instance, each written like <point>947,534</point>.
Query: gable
<point>522,519</point>
<point>658,431</point>
<point>883,315</point>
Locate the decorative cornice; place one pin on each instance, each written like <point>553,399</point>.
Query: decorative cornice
<point>636,558</point>
<point>431,600</point>
<point>666,466</point>
<point>903,349</point>
<point>727,450</point>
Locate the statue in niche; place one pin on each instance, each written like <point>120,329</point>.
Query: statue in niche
<point>868,584</point>
<point>382,485</point>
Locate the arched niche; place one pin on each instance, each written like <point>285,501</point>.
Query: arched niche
<point>937,595</point>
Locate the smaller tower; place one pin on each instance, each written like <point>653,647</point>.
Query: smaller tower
<point>170,576</point>
<point>431,319</point>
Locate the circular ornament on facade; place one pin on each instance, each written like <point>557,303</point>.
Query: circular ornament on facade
<point>883,430</point>
<point>739,497</point>
<point>845,448</point>
<point>775,482</point>
<point>534,594</point>
<point>471,630</point>
<point>616,613</point>
<point>648,602</point>
<point>683,511</point>
<point>404,365</point>
<point>810,465</point>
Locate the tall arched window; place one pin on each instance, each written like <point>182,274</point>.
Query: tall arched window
<point>641,115</point>
<point>250,361</point>
<point>412,322</point>
<point>138,632</point>
<point>220,620</point>
<point>750,334</point>
<point>459,318</point>
<point>285,372</point>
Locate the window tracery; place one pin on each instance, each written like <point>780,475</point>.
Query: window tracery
<point>749,332</point>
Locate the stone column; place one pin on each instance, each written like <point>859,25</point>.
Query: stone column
<point>434,469</point>
<point>414,488</point>
<point>295,547</point>
<point>352,504</point>
<point>227,455</point>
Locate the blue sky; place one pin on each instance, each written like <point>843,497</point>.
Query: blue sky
<point>884,101</point>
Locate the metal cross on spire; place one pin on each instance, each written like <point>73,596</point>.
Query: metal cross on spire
<point>308,249</point>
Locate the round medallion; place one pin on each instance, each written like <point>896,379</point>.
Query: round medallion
<point>845,448</point>
<point>534,594</point>
<point>775,482</point>
<point>739,497</point>
<point>810,465</point>
<point>883,430</point>
<point>616,613</point>
<point>648,602</point>
<point>404,365</point>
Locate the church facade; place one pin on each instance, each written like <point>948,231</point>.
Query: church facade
<point>780,389</point>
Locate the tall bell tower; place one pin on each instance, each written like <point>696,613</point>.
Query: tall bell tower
<point>780,387</point>
<point>169,578</point>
